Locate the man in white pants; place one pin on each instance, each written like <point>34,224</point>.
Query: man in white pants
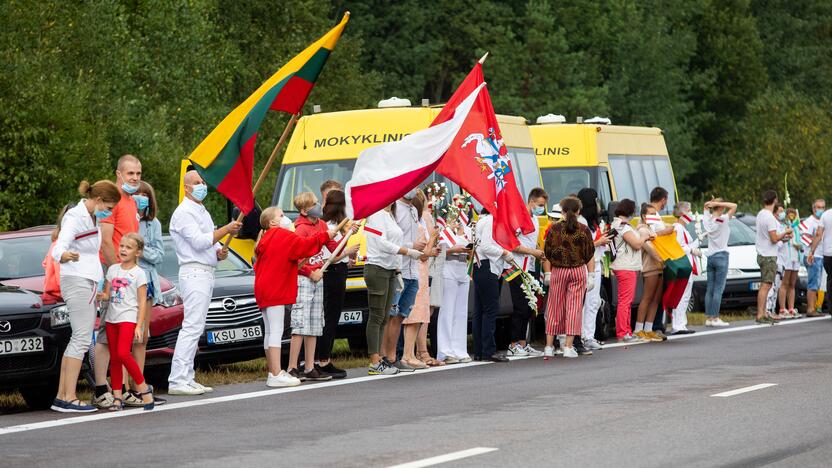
<point>197,250</point>
<point>691,247</point>
<point>591,218</point>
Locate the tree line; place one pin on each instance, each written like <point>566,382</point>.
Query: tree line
<point>742,88</point>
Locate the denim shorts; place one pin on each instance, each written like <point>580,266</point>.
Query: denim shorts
<point>404,299</point>
<point>815,271</point>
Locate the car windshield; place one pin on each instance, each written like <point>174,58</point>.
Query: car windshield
<point>169,268</point>
<point>22,257</point>
<point>740,234</point>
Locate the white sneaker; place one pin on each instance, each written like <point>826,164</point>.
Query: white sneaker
<point>532,352</point>
<point>718,322</point>
<point>549,351</point>
<point>282,379</point>
<point>185,390</point>
<point>592,345</point>
<point>516,351</point>
<point>205,389</point>
<point>451,360</point>
<point>465,360</point>
<point>570,352</point>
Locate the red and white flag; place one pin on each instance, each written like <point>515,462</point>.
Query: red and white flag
<point>386,172</point>
<point>478,162</point>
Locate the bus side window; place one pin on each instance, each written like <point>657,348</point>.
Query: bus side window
<point>604,191</point>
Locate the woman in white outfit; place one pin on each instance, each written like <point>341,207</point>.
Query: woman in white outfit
<point>452,329</point>
<point>590,217</point>
<point>77,249</point>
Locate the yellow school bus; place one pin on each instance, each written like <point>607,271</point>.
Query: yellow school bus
<point>617,161</point>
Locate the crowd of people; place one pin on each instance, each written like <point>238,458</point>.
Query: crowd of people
<point>418,271</point>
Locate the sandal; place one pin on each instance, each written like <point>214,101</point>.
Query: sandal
<point>118,404</point>
<point>416,363</point>
<point>152,404</point>
<point>425,357</point>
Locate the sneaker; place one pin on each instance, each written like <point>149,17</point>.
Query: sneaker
<point>465,360</point>
<point>72,407</point>
<point>58,405</point>
<point>104,400</point>
<point>297,374</point>
<point>642,335</point>
<point>591,344</point>
<point>204,388</point>
<point>549,351</point>
<point>403,367</point>
<point>582,351</point>
<point>282,379</point>
<point>451,360</point>
<point>315,375</point>
<point>631,339</point>
<point>718,322</point>
<point>330,369</point>
<point>516,351</point>
<point>132,399</point>
<point>382,368</point>
<point>185,390</point>
<point>532,352</point>
<point>659,334</point>
<point>570,352</point>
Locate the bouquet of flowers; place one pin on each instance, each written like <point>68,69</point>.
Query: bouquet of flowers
<point>531,287</point>
<point>436,194</point>
<point>463,204</point>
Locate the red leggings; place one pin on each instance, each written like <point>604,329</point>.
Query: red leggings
<point>120,341</point>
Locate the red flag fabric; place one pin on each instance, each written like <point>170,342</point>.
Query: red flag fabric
<point>478,162</point>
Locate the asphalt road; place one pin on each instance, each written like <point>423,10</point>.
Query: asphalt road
<point>646,405</point>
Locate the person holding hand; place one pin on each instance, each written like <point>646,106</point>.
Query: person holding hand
<point>198,251</point>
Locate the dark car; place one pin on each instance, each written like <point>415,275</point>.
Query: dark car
<point>234,327</point>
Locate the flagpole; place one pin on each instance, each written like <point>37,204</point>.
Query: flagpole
<point>289,125</point>
<point>482,60</point>
<point>338,251</point>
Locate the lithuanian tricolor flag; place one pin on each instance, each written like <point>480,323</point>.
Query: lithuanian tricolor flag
<point>225,159</point>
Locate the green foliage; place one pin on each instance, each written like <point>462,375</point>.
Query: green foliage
<point>737,85</point>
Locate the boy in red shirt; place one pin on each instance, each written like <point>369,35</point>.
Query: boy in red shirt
<point>308,312</point>
<point>276,283</point>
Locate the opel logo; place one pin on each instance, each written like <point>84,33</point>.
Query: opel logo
<point>229,304</point>
<point>6,327</point>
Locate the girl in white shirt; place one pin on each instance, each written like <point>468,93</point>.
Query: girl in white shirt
<point>381,274</point>
<point>717,221</point>
<point>77,249</point>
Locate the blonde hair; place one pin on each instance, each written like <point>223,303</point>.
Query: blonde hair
<point>305,200</point>
<point>267,216</point>
<point>137,238</point>
<point>105,189</point>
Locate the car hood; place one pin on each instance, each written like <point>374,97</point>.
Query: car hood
<point>14,300</point>
<point>743,257</point>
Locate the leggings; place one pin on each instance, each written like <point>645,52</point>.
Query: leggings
<point>120,342</point>
<point>381,287</point>
<point>273,318</point>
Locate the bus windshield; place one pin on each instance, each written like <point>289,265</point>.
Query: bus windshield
<point>298,178</point>
<point>560,182</point>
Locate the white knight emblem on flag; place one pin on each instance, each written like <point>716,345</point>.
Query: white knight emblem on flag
<point>489,157</point>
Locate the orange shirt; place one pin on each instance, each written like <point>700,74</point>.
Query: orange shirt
<point>125,219</point>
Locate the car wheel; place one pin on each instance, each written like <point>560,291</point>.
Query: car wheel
<point>358,343</point>
<point>40,397</point>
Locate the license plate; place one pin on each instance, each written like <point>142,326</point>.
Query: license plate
<point>755,286</point>
<point>32,344</point>
<point>350,316</point>
<point>234,335</point>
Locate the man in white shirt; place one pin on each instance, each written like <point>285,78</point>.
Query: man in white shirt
<point>529,253</point>
<point>198,251</point>
<point>487,283</point>
<point>823,235</point>
<point>812,231</point>
<point>766,243</point>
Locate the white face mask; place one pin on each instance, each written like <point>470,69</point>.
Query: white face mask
<point>286,223</point>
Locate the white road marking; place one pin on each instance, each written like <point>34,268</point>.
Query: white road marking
<point>738,391</point>
<point>449,457</point>
<point>333,383</point>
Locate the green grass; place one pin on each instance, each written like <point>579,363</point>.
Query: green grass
<point>698,318</point>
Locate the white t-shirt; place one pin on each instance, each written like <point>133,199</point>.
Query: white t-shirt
<point>766,223</point>
<point>124,288</point>
<point>719,231</point>
<point>826,222</point>
<point>809,227</point>
<point>338,238</point>
<point>530,241</point>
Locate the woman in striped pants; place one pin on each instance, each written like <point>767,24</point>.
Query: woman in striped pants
<point>570,252</point>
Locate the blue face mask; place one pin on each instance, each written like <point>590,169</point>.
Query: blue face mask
<point>129,189</point>
<point>200,191</point>
<point>141,202</point>
<point>101,214</point>
<point>818,213</point>
<point>539,210</point>
<point>782,216</point>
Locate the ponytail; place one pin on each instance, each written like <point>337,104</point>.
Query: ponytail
<point>105,189</point>
<point>84,188</point>
<point>570,207</point>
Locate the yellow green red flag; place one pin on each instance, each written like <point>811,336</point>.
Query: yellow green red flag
<point>225,158</point>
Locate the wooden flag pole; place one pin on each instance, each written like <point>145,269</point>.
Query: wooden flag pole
<point>266,169</point>
<point>337,249</point>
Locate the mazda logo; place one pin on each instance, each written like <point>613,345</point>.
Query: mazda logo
<point>6,327</point>
<point>229,304</point>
